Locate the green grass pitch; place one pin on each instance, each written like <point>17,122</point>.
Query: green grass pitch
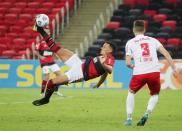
<point>87,110</point>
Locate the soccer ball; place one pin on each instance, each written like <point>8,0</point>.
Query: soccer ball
<point>42,20</point>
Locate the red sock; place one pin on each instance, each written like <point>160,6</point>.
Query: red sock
<point>50,84</point>
<point>43,86</point>
<point>49,90</point>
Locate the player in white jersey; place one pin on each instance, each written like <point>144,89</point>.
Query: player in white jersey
<point>143,50</point>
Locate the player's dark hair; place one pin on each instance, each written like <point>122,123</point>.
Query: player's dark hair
<point>139,25</point>
<point>112,45</point>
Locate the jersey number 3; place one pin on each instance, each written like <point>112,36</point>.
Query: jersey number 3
<point>145,49</point>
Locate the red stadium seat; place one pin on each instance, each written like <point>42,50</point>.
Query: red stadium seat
<point>27,17</point>
<point>171,2</point>
<point>19,47</point>
<point>21,22</point>
<point>43,11</point>
<point>28,29</point>
<point>159,17</point>
<point>174,41</point>
<point>56,10</point>
<point>30,41</point>
<point>34,5</point>
<point>12,1</point>
<point>162,41</point>
<point>41,1</point>
<point>21,5</point>
<point>3,47</point>
<point>5,40</point>
<point>113,25</point>
<point>24,1</point>
<point>2,34</point>
<point>35,34</point>
<point>3,29</point>
<point>16,29</point>
<point>52,16</point>
<point>8,53</point>
<point>146,24</point>
<point>6,4</point>
<point>3,10</point>
<point>29,46</point>
<point>55,1</point>
<point>15,10</point>
<point>10,17</point>
<point>11,35</point>
<point>170,23</point>
<point>29,11</point>
<point>130,3</point>
<point>150,12</point>
<point>19,44</point>
<point>48,5</point>
<point>26,35</point>
<point>1,16</point>
<point>21,52</point>
<point>9,22</point>
<point>2,22</point>
<point>71,4</point>
<point>63,1</point>
<point>60,5</point>
<point>142,2</point>
<point>18,57</point>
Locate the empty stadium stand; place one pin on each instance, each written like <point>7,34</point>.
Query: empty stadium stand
<point>163,20</point>
<point>16,21</point>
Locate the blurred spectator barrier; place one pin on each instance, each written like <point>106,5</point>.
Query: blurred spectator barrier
<point>27,74</point>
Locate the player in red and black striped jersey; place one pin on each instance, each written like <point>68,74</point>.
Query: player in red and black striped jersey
<point>44,54</point>
<point>47,64</point>
<point>91,68</point>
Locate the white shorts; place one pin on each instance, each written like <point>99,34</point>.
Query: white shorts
<point>75,71</point>
<point>50,68</point>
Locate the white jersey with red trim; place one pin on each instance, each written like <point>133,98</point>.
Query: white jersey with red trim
<point>143,49</point>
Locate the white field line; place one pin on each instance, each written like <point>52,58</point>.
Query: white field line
<point>30,101</point>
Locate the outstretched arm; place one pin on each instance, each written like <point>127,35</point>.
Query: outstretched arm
<point>108,68</point>
<point>168,57</point>
<point>102,79</point>
<point>63,54</point>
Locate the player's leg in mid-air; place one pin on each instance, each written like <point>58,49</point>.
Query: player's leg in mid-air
<point>46,79</point>
<point>47,69</point>
<point>153,83</point>
<point>73,74</point>
<point>68,57</point>
<point>56,70</point>
<point>62,53</point>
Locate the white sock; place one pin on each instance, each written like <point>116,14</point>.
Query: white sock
<point>130,104</point>
<point>152,103</point>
